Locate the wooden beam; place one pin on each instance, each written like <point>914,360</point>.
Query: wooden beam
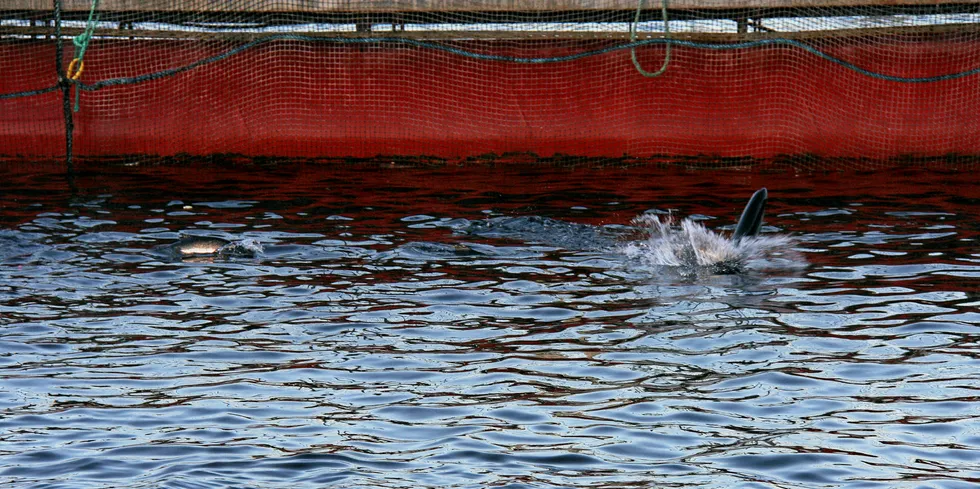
<point>394,6</point>
<point>444,36</point>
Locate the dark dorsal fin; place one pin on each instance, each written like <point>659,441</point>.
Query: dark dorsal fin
<point>751,221</point>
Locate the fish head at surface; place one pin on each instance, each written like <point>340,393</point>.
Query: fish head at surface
<point>196,246</point>
<point>204,248</point>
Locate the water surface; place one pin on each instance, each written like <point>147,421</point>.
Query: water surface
<point>381,339</point>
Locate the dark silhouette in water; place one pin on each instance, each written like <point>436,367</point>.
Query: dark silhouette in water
<point>548,231</point>
<point>751,221</point>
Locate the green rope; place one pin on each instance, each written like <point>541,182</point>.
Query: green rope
<point>81,41</point>
<point>636,20</point>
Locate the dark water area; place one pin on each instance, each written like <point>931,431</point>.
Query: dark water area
<point>485,326</point>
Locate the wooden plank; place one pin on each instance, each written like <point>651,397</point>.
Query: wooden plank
<point>394,6</point>
<point>716,37</point>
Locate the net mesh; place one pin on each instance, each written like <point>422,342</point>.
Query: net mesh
<point>718,81</point>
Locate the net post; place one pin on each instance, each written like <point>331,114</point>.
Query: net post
<point>65,89</point>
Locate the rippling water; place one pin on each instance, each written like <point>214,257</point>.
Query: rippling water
<point>394,333</point>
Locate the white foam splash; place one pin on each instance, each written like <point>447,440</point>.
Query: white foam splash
<point>245,247</point>
<point>692,246</point>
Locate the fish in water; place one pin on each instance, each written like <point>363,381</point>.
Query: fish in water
<point>687,246</point>
<point>197,246</point>
<point>692,248</point>
<point>201,247</point>
<point>724,258</point>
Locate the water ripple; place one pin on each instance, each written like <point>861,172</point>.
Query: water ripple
<point>479,334</point>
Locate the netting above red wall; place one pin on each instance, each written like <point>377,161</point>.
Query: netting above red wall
<point>457,80</point>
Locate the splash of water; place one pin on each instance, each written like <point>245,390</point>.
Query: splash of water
<point>245,248</point>
<point>691,247</point>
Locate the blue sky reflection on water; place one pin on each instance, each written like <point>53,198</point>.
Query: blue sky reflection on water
<point>374,342</point>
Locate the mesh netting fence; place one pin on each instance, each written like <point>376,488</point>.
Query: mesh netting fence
<point>707,80</point>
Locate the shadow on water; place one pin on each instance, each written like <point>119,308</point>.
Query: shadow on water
<point>486,325</point>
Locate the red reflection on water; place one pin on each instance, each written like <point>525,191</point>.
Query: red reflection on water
<point>380,194</point>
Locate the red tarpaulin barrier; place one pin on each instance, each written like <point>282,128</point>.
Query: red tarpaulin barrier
<point>316,99</point>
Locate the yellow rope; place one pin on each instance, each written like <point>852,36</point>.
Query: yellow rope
<point>71,73</point>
